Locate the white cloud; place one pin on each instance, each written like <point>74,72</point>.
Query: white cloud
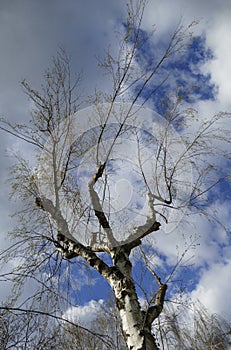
<point>215,23</point>
<point>86,314</point>
<point>208,241</point>
<point>213,289</point>
<point>218,38</point>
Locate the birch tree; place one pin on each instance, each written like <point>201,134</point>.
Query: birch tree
<point>73,213</point>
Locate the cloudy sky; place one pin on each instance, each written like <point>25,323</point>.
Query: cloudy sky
<point>32,31</point>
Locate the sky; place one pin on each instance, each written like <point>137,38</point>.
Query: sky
<point>31,32</point>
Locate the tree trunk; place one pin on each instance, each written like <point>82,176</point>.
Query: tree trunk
<point>136,334</point>
<point>136,324</point>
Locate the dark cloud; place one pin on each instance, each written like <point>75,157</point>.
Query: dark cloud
<point>31,32</point>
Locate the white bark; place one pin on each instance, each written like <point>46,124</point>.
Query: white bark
<point>136,324</point>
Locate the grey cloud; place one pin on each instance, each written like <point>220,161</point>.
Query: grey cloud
<point>30,34</point>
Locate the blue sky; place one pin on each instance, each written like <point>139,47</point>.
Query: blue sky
<point>31,33</point>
